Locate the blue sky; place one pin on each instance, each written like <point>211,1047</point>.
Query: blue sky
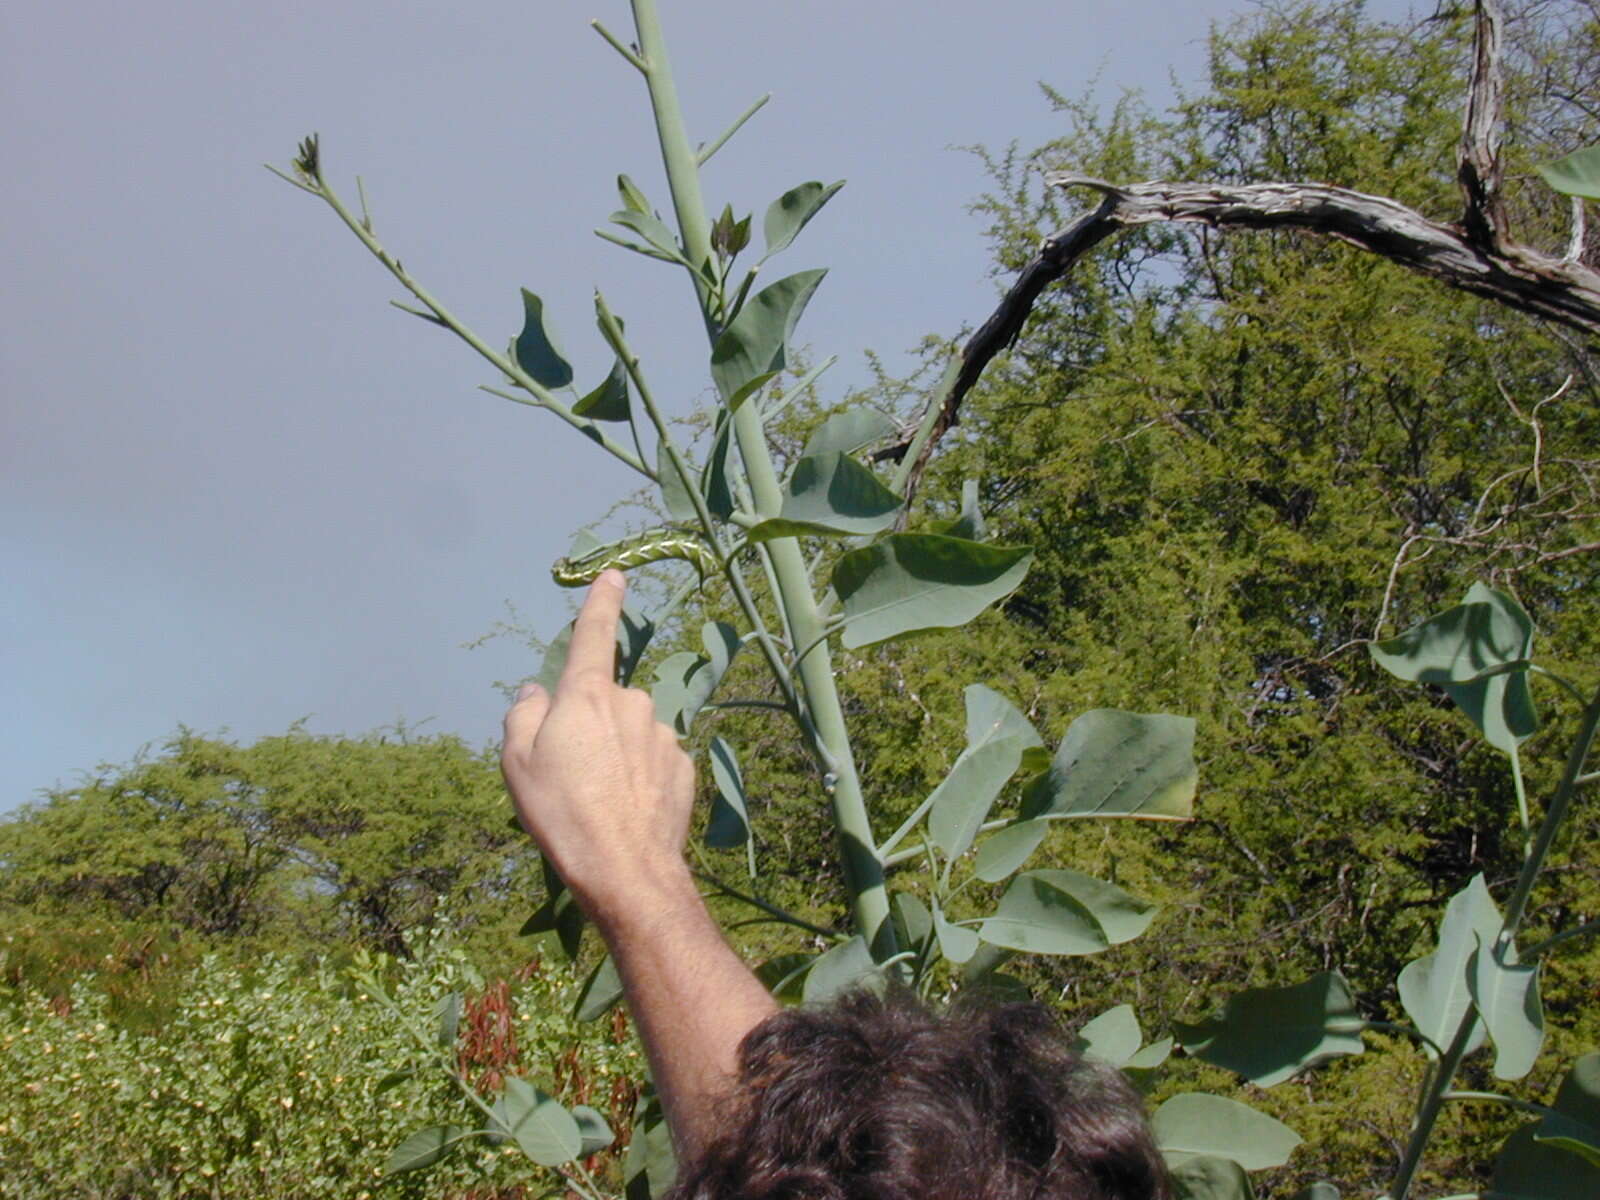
<point>238,490</point>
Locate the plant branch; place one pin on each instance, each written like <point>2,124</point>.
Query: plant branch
<point>703,155</point>
<point>542,398</point>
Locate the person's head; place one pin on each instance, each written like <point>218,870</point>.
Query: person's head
<point>878,1099</point>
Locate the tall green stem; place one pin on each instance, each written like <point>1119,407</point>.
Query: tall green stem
<point>863,869</point>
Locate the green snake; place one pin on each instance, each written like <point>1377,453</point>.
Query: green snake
<point>653,545</point>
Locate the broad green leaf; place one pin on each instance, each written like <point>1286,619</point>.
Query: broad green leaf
<point>448,1015</point>
<point>1272,1034</point>
<point>730,820</point>
<point>788,214</point>
<point>1119,764</point>
<point>593,1129</point>
<point>674,494</point>
<point>542,1129</point>
<point>1194,1124</point>
<point>913,923</point>
<point>1150,1057</point>
<point>831,494</point>
<point>600,991</point>
<point>908,582</point>
<point>997,736</point>
<point>841,967</point>
<point>1436,989</point>
<point>1113,1037</point>
<point>1005,850</point>
<point>1065,912</point>
<point>1572,1136</point>
<point>756,342</point>
<point>392,1080</point>
<point>848,431</point>
<point>662,243</point>
<point>1528,1169</point>
<point>1455,649</point>
<point>559,914</point>
<point>970,523</point>
<point>649,1167</point>
<point>609,401</point>
<point>956,942</point>
<point>536,348</point>
<point>784,976</point>
<point>1578,174</point>
<point>722,642</point>
<point>1207,1178</point>
<point>1507,999</point>
<point>671,692</point>
<point>425,1147</point>
<point>1575,1127</point>
<point>714,478</point>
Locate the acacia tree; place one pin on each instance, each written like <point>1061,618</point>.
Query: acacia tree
<point>741,512</point>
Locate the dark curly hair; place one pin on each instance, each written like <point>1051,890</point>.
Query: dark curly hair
<point>878,1099</point>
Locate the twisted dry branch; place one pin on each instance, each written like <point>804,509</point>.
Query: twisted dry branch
<point>1473,254</point>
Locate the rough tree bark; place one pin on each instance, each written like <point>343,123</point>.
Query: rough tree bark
<point>1475,253</point>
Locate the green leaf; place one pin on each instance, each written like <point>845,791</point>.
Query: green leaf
<point>559,914</point>
<point>674,493</point>
<point>970,523</point>
<point>1113,1037</point>
<point>649,1168</point>
<point>831,494</point>
<point>1528,1169</point>
<point>593,1129</point>
<point>730,820</point>
<point>913,923</point>
<point>756,342</point>
<point>448,1014</point>
<point>672,694</point>
<point>841,967</point>
<point>1507,998</point>
<point>1572,1136</point>
<point>1194,1124</point>
<point>1455,649</point>
<point>660,242</point>
<point>536,349</point>
<point>997,736</point>
<point>600,991</point>
<point>1435,989</point>
<point>392,1080</point>
<point>1149,1057</point>
<point>788,214</point>
<point>1578,174</point>
<point>1119,764</point>
<point>632,198</point>
<point>609,401</point>
<point>425,1147</point>
<point>1007,849</point>
<point>728,234</point>
<point>784,976</point>
<point>1065,912</point>
<point>722,642</point>
<point>1575,1126</point>
<point>1207,1178</point>
<point>908,582</point>
<point>956,942</point>
<point>1272,1034</point>
<point>714,478</point>
<point>848,431</point>
<point>543,1130</point>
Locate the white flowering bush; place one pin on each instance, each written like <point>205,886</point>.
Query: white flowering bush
<point>264,1082</point>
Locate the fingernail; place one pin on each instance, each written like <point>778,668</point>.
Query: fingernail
<point>614,577</point>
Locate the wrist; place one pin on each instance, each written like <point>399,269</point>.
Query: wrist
<point>649,899</point>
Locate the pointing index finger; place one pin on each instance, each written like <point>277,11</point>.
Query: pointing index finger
<point>594,634</point>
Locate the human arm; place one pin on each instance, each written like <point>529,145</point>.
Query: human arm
<point>606,792</point>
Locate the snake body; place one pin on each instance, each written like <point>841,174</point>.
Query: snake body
<point>651,546</point>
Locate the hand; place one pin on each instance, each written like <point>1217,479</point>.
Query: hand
<point>599,783</point>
